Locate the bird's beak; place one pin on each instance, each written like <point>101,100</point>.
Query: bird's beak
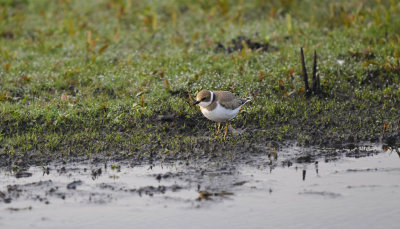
<point>196,102</point>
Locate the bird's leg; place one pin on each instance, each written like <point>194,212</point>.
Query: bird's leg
<point>219,128</point>
<point>218,131</point>
<point>226,130</point>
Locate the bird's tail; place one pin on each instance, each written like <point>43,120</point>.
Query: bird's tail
<point>245,100</point>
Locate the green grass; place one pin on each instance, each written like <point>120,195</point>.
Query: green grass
<point>91,77</point>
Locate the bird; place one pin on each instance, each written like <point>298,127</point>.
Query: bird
<point>219,106</point>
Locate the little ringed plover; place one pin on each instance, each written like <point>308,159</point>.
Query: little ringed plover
<point>219,106</point>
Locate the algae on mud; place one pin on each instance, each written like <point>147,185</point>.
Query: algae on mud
<point>90,79</point>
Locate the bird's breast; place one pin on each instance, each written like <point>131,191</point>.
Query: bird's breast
<point>219,113</point>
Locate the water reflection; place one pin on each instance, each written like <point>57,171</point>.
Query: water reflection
<point>362,190</point>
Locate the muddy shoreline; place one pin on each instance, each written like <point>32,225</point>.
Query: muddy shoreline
<point>240,144</point>
<point>193,169</point>
<point>208,183</point>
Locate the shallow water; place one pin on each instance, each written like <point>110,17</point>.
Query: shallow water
<point>336,192</point>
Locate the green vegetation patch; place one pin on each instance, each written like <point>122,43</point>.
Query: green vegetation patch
<point>115,78</point>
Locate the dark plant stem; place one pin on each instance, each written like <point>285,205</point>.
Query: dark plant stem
<point>304,72</point>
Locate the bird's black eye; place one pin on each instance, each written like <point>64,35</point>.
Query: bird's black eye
<point>203,99</point>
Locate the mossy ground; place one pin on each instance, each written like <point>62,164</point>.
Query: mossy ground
<point>94,78</point>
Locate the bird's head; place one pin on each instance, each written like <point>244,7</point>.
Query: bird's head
<point>204,98</point>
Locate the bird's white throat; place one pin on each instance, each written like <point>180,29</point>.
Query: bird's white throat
<point>206,104</point>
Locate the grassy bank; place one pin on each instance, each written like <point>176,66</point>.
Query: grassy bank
<point>113,78</point>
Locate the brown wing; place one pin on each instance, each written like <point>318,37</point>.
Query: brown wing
<point>228,99</point>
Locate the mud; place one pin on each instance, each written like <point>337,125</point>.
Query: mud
<point>240,42</point>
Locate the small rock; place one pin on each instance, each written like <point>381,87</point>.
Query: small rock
<point>74,184</point>
<point>23,174</point>
<point>166,117</point>
<point>240,183</point>
<point>175,188</point>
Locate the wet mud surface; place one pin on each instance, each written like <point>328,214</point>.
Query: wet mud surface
<point>241,42</point>
<point>327,188</point>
